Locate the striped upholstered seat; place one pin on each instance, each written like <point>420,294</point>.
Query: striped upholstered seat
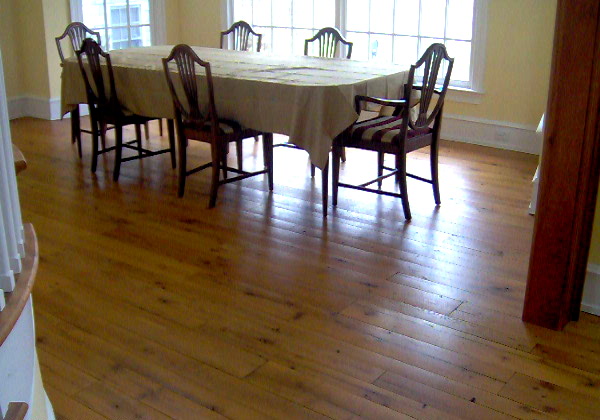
<point>383,130</point>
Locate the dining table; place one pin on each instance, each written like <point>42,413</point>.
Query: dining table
<point>309,99</point>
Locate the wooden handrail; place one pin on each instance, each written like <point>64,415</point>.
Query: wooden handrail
<point>16,300</point>
<point>16,411</point>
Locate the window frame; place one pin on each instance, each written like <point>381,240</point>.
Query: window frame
<point>158,24</point>
<point>468,92</point>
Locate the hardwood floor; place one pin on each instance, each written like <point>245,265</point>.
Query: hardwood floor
<point>152,307</point>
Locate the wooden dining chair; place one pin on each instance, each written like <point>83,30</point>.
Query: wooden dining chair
<point>328,40</point>
<point>400,133</point>
<point>241,41</point>
<point>241,32</point>
<point>105,109</point>
<point>77,32</point>
<point>193,124</point>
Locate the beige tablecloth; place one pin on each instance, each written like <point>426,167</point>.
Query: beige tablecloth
<point>307,98</point>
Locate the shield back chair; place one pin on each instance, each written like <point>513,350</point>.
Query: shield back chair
<point>77,32</point>
<point>241,41</point>
<point>328,41</point>
<point>207,127</point>
<point>240,33</point>
<point>105,108</point>
<point>400,133</point>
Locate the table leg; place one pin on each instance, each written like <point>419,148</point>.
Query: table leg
<point>325,187</point>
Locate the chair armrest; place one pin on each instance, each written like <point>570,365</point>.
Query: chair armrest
<point>378,101</point>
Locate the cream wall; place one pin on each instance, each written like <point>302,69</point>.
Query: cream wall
<point>518,60</point>
<point>201,22</point>
<point>56,18</point>
<point>9,46</point>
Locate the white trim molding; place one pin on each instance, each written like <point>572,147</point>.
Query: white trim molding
<point>34,106</point>
<point>478,45</point>
<point>498,134</point>
<point>591,290</point>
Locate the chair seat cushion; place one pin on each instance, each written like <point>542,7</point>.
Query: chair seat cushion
<point>384,129</point>
<point>230,130</point>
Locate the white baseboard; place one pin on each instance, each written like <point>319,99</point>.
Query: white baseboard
<point>34,106</point>
<point>591,291</point>
<point>498,134</point>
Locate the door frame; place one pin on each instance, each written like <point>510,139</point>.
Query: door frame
<point>569,171</point>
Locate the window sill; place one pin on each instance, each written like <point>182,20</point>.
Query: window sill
<point>469,96</point>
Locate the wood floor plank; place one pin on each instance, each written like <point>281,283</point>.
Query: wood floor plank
<point>68,408</point>
<point>362,400</point>
<point>550,398</point>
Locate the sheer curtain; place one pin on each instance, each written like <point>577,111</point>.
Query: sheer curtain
<point>12,247</point>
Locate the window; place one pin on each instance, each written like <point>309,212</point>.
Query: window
<point>397,31</point>
<point>285,24</point>
<point>122,23</point>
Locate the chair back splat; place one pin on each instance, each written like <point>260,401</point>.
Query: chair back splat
<point>241,32</point>
<point>432,63</point>
<point>329,40</point>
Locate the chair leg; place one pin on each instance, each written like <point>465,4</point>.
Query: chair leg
<point>434,173</point>
<point>76,129</point>
<point>147,130</point>
<point>325,187</point>
<point>401,179</point>
<point>268,157</point>
<point>118,151</point>
<point>182,149</point>
<point>171,131</point>
<point>240,154</point>
<point>343,154</point>
<point>224,152</point>
<point>336,156</point>
<point>103,129</point>
<point>138,137</point>
<point>214,186</point>
<point>312,170</point>
<point>94,145</point>
<point>380,159</point>
<point>160,127</point>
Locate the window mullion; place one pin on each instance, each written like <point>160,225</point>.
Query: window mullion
<point>394,29</point>
<point>419,30</point>
<point>128,23</point>
<point>106,31</point>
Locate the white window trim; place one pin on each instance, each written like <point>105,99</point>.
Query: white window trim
<point>471,95</point>
<point>158,23</point>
